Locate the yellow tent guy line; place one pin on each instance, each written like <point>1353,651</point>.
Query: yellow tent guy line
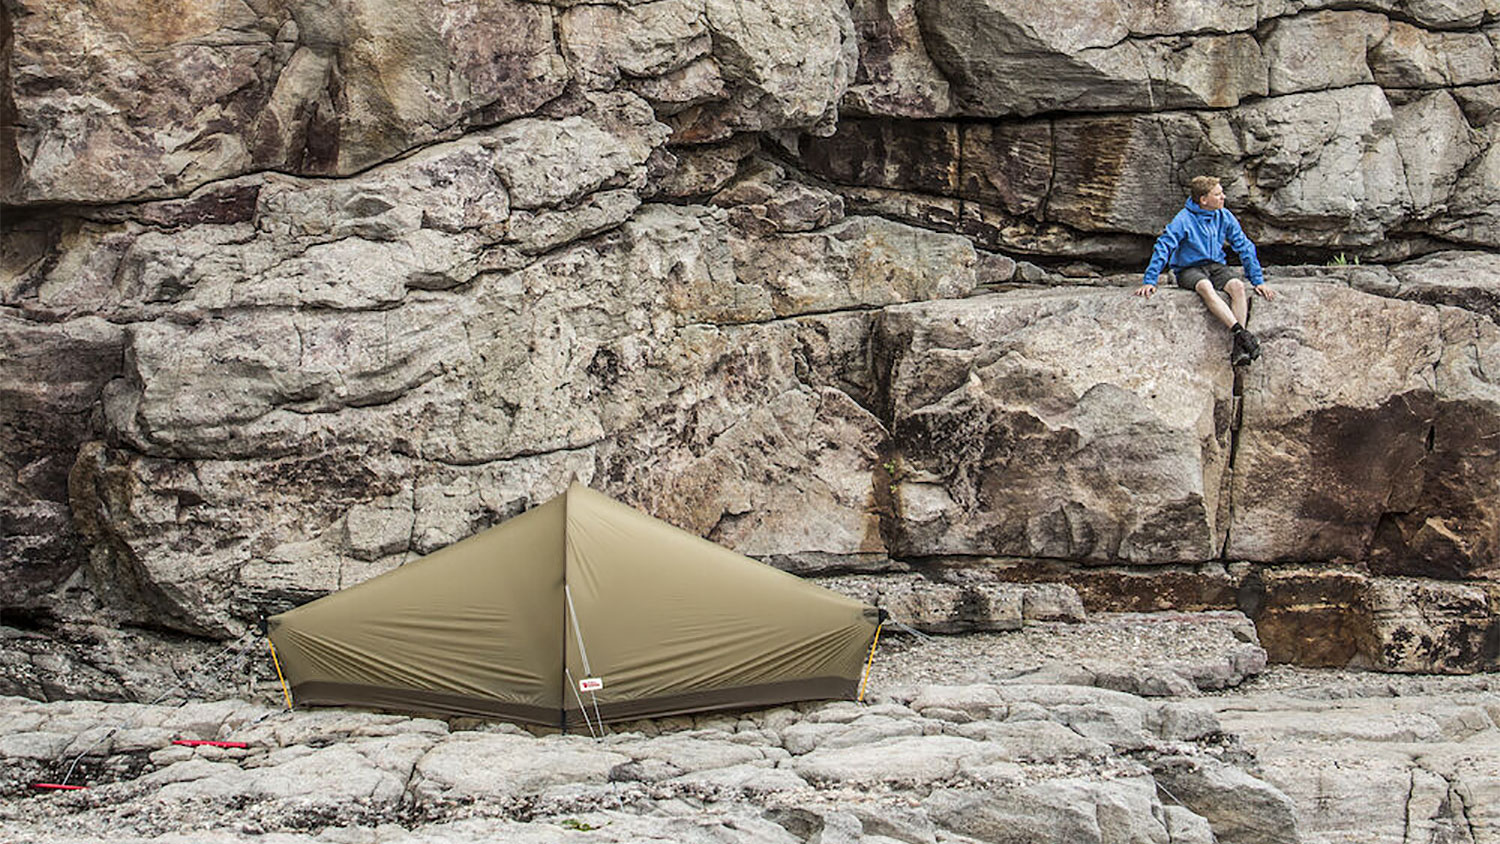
<point>869,664</point>
<point>276,662</point>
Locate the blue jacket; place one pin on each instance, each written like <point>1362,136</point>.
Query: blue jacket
<point>1196,236</point>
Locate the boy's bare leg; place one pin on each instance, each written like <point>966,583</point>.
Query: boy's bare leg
<point>1239,303</point>
<point>1216,305</point>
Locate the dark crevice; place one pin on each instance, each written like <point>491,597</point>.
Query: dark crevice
<point>29,619</point>
<point>1461,806</point>
<point>1411,789</point>
<point>1236,422</point>
<point>777,320</point>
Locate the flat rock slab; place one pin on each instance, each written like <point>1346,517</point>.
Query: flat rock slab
<point>1155,654</point>
<point>1291,755</point>
<point>1375,759</point>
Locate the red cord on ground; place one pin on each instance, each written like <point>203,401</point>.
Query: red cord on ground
<point>206,743</point>
<point>58,786</point>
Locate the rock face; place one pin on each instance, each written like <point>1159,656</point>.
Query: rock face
<point>1294,756</point>
<point>1061,763</point>
<point>1418,761</point>
<point>1118,456</point>
<point>1342,123</point>
<point>291,294</point>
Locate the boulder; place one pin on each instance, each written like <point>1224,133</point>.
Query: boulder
<point>1240,808</point>
<point>1055,811</point>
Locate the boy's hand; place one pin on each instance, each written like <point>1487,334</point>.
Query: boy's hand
<point>1145,290</point>
<point>1266,291</point>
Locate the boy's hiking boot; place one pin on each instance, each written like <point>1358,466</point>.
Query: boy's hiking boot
<point>1245,348</point>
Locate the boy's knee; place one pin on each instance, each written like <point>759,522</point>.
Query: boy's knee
<point>1234,286</point>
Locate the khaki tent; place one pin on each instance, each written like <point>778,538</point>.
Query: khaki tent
<point>581,602</point>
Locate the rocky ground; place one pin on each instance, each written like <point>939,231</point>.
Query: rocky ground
<point>1159,728</point>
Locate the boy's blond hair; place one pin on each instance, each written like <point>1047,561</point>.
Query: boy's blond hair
<point>1200,186</point>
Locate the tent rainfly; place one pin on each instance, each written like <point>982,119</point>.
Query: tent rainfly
<point>582,601</point>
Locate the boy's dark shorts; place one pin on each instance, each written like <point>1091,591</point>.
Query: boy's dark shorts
<point>1217,274</point>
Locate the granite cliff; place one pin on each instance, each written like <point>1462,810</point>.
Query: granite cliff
<point>294,292</point>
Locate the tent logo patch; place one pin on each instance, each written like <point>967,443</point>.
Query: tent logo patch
<point>590,684</point>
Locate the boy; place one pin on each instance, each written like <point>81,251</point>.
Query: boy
<point>1193,246</point>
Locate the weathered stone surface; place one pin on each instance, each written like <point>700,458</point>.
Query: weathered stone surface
<point>1455,527</point>
<point>1411,57</point>
<point>1321,50</point>
<point>859,263</point>
<point>1373,756</point>
<point>962,604</point>
<point>1460,279</point>
<point>470,766</point>
<point>119,104</point>
<point>896,77</point>
<point>785,64</point>
<point>700,171</point>
<point>1437,146</point>
<point>604,42</point>
<point>233,387</point>
<point>1345,450</point>
<point>916,156</point>
<point>435,417</point>
<point>1112,459</point>
<point>1056,811</point>
<point>1422,168</point>
<point>1006,58</point>
<point>1432,626</point>
<point>1311,617</point>
<point>902,760</point>
<point>1375,767</point>
<point>1239,808</point>
<point>51,376</point>
<point>763,200</point>
<point>1328,615</point>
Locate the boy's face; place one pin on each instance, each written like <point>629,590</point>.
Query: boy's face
<point>1213,200</point>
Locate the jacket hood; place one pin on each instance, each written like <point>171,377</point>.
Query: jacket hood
<point>1199,209</point>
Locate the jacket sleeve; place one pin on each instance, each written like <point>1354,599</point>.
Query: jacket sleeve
<point>1162,252</point>
<point>1242,247</point>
